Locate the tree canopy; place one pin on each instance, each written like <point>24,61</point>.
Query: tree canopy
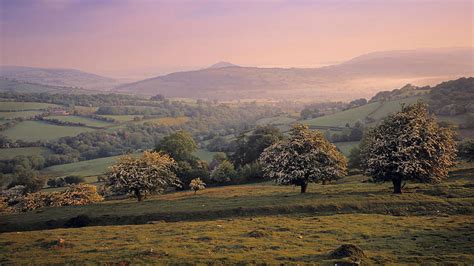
<point>153,172</point>
<point>249,148</point>
<point>408,145</point>
<point>306,157</point>
<point>179,145</point>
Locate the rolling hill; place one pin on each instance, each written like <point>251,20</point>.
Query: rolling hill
<point>57,77</point>
<point>11,85</point>
<point>360,77</point>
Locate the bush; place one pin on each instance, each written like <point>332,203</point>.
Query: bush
<point>4,208</point>
<point>197,184</point>
<point>74,195</point>
<point>250,172</point>
<point>29,179</point>
<point>466,150</point>
<point>13,195</point>
<point>72,179</point>
<point>224,173</point>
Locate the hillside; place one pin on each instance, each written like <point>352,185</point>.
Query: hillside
<point>57,77</point>
<point>360,77</point>
<point>11,85</point>
<point>252,224</point>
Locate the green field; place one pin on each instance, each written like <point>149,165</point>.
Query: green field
<point>89,168</point>
<point>340,119</point>
<point>277,120</point>
<point>19,114</point>
<point>376,110</point>
<point>252,224</point>
<point>6,106</point>
<point>36,130</point>
<point>205,155</point>
<point>7,154</point>
<point>78,119</point>
<point>392,107</point>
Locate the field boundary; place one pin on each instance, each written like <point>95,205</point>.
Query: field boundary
<point>368,207</point>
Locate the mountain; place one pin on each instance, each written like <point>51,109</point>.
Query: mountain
<point>57,77</point>
<point>362,76</point>
<point>222,64</point>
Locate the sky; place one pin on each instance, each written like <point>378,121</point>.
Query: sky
<point>125,38</point>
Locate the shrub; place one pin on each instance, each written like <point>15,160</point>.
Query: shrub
<point>224,173</point>
<point>72,179</point>
<point>13,195</point>
<point>4,205</point>
<point>197,184</point>
<point>82,194</point>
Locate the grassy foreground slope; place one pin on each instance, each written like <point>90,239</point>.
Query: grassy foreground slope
<point>258,223</point>
<point>270,239</point>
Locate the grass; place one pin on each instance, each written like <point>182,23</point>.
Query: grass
<point>392,107</point>
<point>205,155</point>
<point>7,154</point>
<point>78,119</point>
<point>277,120</point>
<point>37,130</point>
<point>376,110</point>
<point>252,224</point>
<point>89,168</point>
<point>18,114</point>
<point>18,106</point>
<point>340,119</point>
<point>286,240</point>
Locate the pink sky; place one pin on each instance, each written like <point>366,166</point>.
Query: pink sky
<point>123,38</point>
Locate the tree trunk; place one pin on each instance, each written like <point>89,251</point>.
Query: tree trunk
<point>195,192</point>
<point>304,185</point>
<point>138,195</point>
<point>397,186</point>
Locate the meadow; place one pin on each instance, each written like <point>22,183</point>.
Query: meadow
<point>256,223</point>
<point>84,120</point>
<point>89,168</point>
<point>8,154</point>
<point>19,114</point>
<point>19,106</point>
<point>38,130</point>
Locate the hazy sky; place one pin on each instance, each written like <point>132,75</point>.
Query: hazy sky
<point>118,37</point>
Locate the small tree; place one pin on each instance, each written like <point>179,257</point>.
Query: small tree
<point>153,172</point>
<point>306,157</point>
<point>354,158</point>
<point>408,145</point>
<point>224,173</point>
<point>197,184</point>
<point>179,146</point>
<point>466,150</point>
<point>74,180</point>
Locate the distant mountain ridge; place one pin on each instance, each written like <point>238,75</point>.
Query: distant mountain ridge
<point>58,77</point>
<point>222,64</point>
<point>362,76</point>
